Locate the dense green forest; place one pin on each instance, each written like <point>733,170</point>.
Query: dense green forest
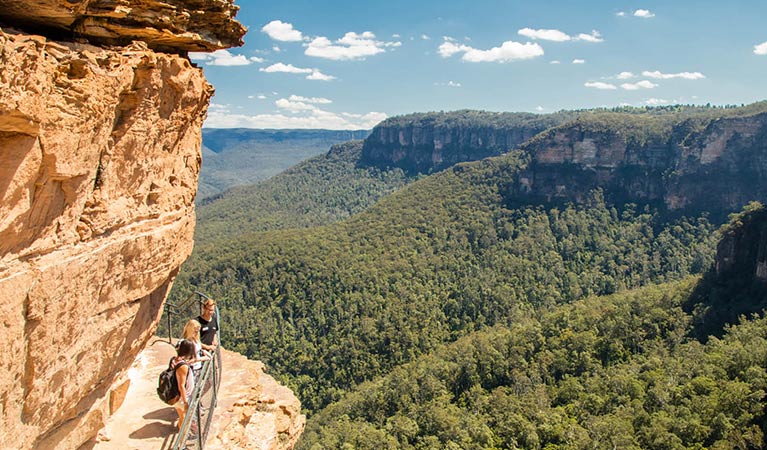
<point>330,307</point>
<point>602,373</point>
<point>438,312</point>
<point>238,156</point>
<point>321,190</point>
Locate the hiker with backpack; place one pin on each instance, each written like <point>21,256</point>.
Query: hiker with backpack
<point>184,378</point>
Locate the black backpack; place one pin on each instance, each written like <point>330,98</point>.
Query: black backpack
<point>167,386</point>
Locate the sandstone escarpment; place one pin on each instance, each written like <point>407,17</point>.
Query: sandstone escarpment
<point>422,143</point>
<point>98,171</point>
<point>171,25</point>
<point>713,165</point>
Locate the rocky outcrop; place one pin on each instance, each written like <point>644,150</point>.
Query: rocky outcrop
<point>423,143</point>
<point>717,164</point>
<point>170,25</point>
<point>254,411</point>
<point>98,171</point>
<point>742,251</point>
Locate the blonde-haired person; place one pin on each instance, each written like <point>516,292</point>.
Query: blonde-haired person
<point>191,333</point>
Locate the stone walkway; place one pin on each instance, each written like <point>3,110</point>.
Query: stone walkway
<point>143,422</point>
<point>253,412</point>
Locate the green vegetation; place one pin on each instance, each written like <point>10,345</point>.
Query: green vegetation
<point>321,190</point>
<point>238,156</point>
<point>602,373</point>
<point>330,307</point>
<point>443,314</point>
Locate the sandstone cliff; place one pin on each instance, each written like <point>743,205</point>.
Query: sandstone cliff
<point>423,143</point>
<point>709,163</point>
<point>171,25</point>
<point>99,159</point>
<point>100,156</point>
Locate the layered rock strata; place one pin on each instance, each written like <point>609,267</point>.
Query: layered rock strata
<point>170,25</point>
<point>716,165</point>
<point>98,172</point>
<point>424,143</point>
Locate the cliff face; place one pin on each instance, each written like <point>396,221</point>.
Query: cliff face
<point>719,166</point>
<point>423,143</point>
<point>174,25</point>
<point>99,158</point>
<point>99,162</point>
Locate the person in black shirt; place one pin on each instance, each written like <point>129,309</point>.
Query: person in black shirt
<point>208,325</point>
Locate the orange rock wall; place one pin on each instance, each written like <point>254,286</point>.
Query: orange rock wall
<point>99,157</point>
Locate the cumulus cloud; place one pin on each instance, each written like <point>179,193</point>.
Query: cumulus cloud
<point>555,62</point>
<point>621,14</point>
<point>559,36</point>
<point>352,46</point>
<point>665,76</point>
<point>317,100</point>
<point>579,61</point>
<point>507,52</point>
<point>644,84</point>
<point>292,115</point>
<point>600,85</point>
<point>761,49</point>
<point>314,74</point>
<point>282,31</point>
<point>425,37</point>
<point>625,75</point>
<point>223,58</point>
<point>546,35</point>
<point>644,14</point>
<point>655,101</point>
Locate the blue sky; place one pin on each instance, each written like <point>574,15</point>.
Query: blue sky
<point>348,64</point>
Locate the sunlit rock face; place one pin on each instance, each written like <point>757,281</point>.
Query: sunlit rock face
<point>718,168</point>
<point>170,25</point>
<point>99,157</point>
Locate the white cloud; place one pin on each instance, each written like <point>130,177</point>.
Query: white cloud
<point>644,84</point>
<point>546,35</point>
<point>507,52</point>
<point>555,62</point>
<point>396,36</point>
<point>655,101</point>
<point>314,74</point>
<point>352,46</point>
<point>539,108</point>
<point>276,49</point>
<point>625,75</point>
<point>559,36</point>
<point>261,97</point>
<point>425,37</point>
<point>282,31</point>
<point>223,58</point>
<point>450,83</point>
<point>621,14</point>
<point>595,36</point>
<point>643,13</point>
<point>294,106</point>
<point>319,76</point>
<point>665,76</point>
<point>287,68</point>
<point>761,49</point>
<point>256,59</point>
<point>600,85</point>
<point>222,117</point>
<point>317,100</point>
<point>579,61</point>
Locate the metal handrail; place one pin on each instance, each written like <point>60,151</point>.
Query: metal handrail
<point>206,387</point>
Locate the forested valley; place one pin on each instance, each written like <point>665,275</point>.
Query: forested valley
<point>431,312</point>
